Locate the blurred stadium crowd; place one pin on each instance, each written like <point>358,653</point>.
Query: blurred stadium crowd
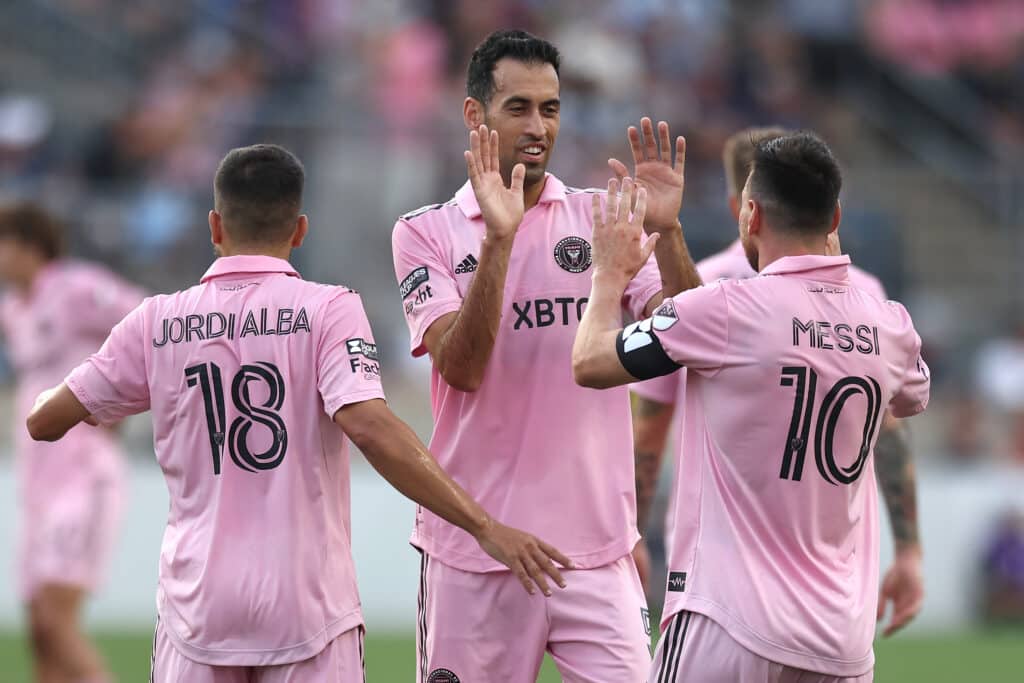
<point>114,114</point>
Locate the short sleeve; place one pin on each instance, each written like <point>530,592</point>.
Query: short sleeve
<point>426,282</point>
<point>113,383</point>
<point>694,327</point>
<point>662,389</point>
<point>912,396</point>
<point>108,299</point>
<point>348,367</point>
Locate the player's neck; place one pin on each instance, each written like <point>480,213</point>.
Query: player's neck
<point>282,252</point>
<point>771,251</point>
<point>532,193</point>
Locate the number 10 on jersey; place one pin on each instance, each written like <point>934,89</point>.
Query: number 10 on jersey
<point>805,381</point>
<point>208,377</point>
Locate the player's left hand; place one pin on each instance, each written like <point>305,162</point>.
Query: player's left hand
<point>656,172</point>
<point>619,248</point>
<point>903,586</point>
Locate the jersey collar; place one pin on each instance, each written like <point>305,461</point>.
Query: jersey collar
<point>826,268</point>
<point>554,191</point>
<point>248,264</point>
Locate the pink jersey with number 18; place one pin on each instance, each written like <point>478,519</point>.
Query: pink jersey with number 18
<point>775,532</point>
<point>244,373</point>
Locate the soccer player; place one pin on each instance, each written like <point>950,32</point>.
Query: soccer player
<point>54,313</point>
<point>655,401</point>
<point>773,574</point>
<point>249,375</point>
<point>493,284</point>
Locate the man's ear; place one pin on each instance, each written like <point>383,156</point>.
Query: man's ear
<point>216,227</point>
<point>837,216</point>
<point>756,221</point>
<point>301,230</point>
<point>473,113</point>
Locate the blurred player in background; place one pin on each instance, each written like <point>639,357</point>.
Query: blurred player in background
<point>249,376</point>
<point>493,284</point>
<point>773,573</point>
<point>656,400</point>
<point>55,313</point>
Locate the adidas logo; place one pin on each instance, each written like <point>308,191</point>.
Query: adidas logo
<point>468,265</point>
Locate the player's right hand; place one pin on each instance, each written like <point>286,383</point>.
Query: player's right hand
<point>502,207</point>
<point>528,557</point>
<point>620,249</point>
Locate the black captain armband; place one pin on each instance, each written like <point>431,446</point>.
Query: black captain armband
<point>641,353</point>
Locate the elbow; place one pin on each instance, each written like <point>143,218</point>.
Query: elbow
<point>463,379</point>
<point>584,373</point>
<point>39,430</point>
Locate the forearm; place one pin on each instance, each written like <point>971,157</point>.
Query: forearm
<point>466,346</point>
<point>394,450</point>
<point>678,271</point>
<point>601,321</point>
<point>894,468</point>
<point>651,421</point>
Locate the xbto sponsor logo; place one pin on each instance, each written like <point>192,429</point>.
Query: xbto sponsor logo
<point>546,312</point>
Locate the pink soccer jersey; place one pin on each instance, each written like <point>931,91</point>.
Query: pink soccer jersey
<point>731,263</point>
<point>536,450</point>
<point>243,374</point>
<point>776,531</point>
<point>66,315</point>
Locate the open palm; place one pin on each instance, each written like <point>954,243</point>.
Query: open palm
<point>502,207</point>
<point>655,171</point>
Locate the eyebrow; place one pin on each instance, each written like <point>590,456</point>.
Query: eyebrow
<point>519,99</point>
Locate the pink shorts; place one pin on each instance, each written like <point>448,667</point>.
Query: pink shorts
<point>340,662</point>
<point>485,627</point>
<point>695,649</point>
<point>67,536</point>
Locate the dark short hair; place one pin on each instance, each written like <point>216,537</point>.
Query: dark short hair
<point>518,45</point>
<point>738,154</point>
<point>31,225</point>
<point>258,192</point>
<point>797,180</point>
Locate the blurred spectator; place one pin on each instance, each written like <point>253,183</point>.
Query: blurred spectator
<point>1003,572</point>
<point>1000,381</point>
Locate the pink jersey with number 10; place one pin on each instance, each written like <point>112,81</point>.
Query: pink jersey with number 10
<point>244,373</point>
<point>775,532</point>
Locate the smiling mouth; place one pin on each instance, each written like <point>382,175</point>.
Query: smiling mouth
<point>532,152</point>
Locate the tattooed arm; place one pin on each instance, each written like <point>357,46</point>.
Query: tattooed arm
<point>903,584</point>
<point>651,420</point>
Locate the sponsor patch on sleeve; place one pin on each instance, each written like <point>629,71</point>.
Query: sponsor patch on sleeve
<point>417,277</point>
<point>361,347</point>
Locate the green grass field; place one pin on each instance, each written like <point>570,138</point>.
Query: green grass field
<point>977,657</point>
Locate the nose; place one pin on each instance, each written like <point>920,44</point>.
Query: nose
<point>535,125</point>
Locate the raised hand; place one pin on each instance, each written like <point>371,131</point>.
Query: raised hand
<point>619,250</point>
<point>656,172</point>
<point>502,207</point>
<point>529,558</point>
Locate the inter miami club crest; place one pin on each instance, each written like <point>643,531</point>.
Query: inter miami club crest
<point>573,254</point>
<point>442,676</point>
